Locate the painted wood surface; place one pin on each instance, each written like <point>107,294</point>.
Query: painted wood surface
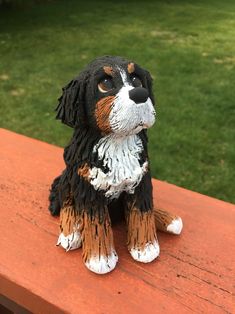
<point>194,273</point>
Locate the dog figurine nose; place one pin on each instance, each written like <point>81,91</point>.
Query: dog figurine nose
<point>138,95</point>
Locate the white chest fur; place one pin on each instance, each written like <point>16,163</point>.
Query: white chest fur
<point>121,157</point>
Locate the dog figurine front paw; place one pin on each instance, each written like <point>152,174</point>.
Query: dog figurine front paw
<point>110,106</point>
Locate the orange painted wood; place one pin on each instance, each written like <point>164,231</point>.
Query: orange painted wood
<point>195,271</point>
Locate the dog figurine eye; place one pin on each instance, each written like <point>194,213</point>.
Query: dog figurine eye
<point>136,82</point>
<point>105,85</point>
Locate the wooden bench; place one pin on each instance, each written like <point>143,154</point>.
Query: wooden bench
<point>194,273</point>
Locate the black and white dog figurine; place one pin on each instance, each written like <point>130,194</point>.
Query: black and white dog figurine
<point>110,106</point>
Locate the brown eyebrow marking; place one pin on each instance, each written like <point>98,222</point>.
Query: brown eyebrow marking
<point>131,67</point>
<point>108,70</point>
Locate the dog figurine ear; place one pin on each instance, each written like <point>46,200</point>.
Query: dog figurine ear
<point>149,82</point>
<point>70,109</point>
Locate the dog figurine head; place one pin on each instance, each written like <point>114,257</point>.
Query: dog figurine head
<point>110,105</point>
<point>112,95</point>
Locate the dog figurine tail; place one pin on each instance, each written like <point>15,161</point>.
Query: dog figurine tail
<point>167,222</point>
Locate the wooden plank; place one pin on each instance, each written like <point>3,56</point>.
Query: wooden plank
<point>194,273</point>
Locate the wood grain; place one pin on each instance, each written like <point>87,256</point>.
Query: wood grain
<point>194,273</point>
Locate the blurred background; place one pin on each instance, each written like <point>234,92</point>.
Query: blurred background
<point>188,46</point>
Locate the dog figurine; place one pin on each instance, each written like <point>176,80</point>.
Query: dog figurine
<point>110,106</point>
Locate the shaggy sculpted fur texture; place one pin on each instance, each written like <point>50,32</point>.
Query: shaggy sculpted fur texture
<point>110,106</point>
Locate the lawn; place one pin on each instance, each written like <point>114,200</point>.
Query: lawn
<point>188,46</point>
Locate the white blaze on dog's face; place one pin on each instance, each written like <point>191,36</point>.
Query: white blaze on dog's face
<point>130,109</point>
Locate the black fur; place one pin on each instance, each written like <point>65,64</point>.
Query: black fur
<point>76,109</point>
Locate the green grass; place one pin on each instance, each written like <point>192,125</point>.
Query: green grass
<point>189,48</point>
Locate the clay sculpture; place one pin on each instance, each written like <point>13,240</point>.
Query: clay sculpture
<point>110,106</point>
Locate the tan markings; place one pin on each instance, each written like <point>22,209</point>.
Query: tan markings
<point>141,228</point>
<point>131,68</point>
<point>69,219</point>
<point>163,219</point>
<point>108,70</point>
<point>84,171</point>
<point>97,238</point>
<point>102,111</point>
